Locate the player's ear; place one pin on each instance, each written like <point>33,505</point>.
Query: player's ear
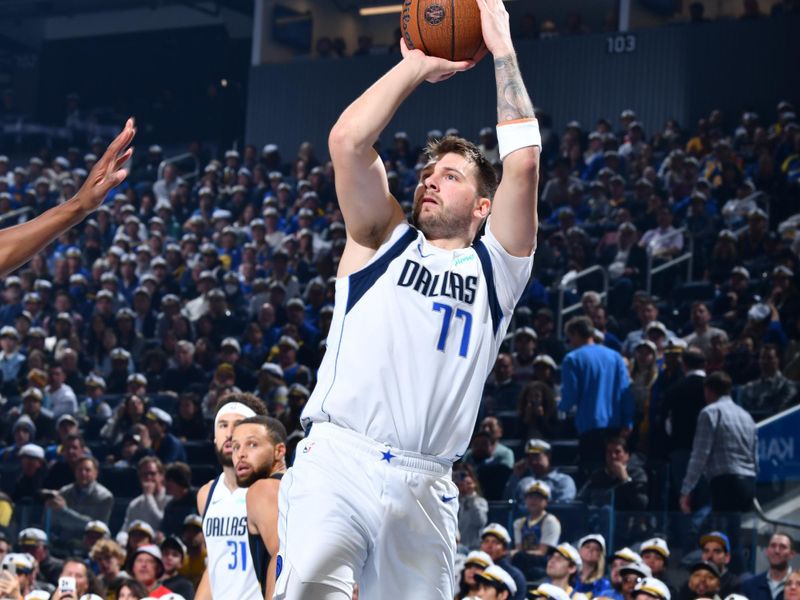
<point>483,207</point>
<point>280,452</point>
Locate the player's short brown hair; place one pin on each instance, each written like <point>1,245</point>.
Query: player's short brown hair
<point>275,429</point>
<point>251,401</point>
<point>487,176</point>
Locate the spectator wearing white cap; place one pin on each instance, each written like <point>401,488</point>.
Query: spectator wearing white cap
<point>497,543</point>
<point>620,558</point>
<point>293,371</point>
<point>231,353</point>
<point>563,567</point>
<point>535,533</point>
<point>33,470</point>
<point>11,360</point>
<point>524,343</point>
<point>631,574</point>
<point>24,566</point>
<point>165,445</point>
<point>655,554</point>
<point>536,467</point>
<point>149,505</point>
<point>475,563</point>
<point>548,591</point>
<point>651,588</point>
<point>35,542</point>
<point>591,579</point>
<point>646,312</point>
<point>93,533</point>
<point>196,553</point>
<point>496,583</point>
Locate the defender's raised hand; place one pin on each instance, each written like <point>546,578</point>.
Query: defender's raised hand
<point>107,173</point>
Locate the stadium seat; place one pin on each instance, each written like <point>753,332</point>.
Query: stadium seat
<point>200,453</point>
<point>122,482</point>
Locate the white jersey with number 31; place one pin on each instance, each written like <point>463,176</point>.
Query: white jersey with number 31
<point>414,335</point>
<point>230,566</point>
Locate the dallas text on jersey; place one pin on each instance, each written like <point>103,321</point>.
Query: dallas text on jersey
<point>448,284</point>
<point>225,526</point>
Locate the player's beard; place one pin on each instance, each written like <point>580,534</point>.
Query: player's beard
<point>224,461</point>
<point>258,472</point>
<point>446,224</point>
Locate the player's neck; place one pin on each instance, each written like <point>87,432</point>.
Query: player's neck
<point>278,468</point>
<point>229,478</point>
<point>456,243</point>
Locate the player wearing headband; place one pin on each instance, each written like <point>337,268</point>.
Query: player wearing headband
<point>222,503</point>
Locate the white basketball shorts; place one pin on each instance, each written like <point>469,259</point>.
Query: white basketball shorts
<point>355,510</point>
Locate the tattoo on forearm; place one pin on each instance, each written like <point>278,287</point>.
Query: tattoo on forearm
<point>513,101</point>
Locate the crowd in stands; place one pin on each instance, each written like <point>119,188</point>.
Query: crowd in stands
<point>119,339</point>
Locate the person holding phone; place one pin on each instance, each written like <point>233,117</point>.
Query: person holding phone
<point>20,567</point>
<point>76,580</point>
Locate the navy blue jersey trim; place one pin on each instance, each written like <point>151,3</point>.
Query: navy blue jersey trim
<point>488,274</point>
<point>210,495</point>
<point>360,281</point>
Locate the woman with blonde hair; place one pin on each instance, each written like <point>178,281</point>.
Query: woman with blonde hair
<point>591,580</point>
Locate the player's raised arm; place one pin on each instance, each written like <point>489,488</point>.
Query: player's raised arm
<point>514,217</point>
<point>370,212</point>
<point>19,243</point>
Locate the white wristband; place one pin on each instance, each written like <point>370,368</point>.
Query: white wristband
<point>517,134</point>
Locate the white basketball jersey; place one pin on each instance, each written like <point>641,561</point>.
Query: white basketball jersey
<point>414,335</point>
<point>230,566</point>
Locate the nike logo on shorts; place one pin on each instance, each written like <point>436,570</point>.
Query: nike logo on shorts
<point>448,498</point>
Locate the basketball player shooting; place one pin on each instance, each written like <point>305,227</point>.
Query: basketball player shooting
<point>19,243</point>
<point>419,317</point>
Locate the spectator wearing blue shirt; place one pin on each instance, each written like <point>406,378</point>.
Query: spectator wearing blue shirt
<point>11,360</point>
<point>595,382</point>
<point>12,296</point>
<point>591,579</point>
<point>537,468</point>
<point>167,447</point>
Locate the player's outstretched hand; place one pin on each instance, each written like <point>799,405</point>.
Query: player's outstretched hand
<point>495,26</point>
<point>435,69</point>
<point>107,173</point>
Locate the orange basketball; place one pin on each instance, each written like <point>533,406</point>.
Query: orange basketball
<point>448,29</point>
